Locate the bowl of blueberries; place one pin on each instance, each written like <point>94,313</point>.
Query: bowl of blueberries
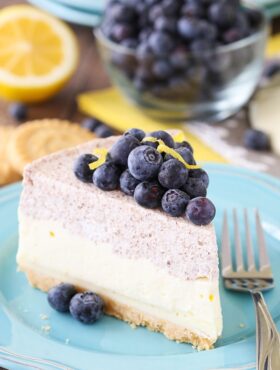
<point>184,59</point>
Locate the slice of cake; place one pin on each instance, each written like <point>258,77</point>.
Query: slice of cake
<point>150,268</point>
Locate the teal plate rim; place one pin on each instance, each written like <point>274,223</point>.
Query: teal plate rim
<point>25,341</point>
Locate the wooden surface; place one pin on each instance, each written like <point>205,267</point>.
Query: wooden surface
<point>89,76</point>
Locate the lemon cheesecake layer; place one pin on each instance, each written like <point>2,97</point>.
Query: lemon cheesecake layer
<point>162,269</point>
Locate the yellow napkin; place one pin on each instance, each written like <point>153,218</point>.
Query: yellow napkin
<point>273,47</point>
<point>109,106</point>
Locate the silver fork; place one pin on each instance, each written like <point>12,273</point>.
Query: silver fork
<point>252,280</point>
<point>28,362</point>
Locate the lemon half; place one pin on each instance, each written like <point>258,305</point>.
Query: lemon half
<point>38,54</point>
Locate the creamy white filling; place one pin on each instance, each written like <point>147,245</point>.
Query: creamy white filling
<point>51,249</point>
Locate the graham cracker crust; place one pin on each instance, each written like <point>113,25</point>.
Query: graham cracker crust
<point>129,314</point>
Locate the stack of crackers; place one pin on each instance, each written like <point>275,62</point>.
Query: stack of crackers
<point>32,140</point>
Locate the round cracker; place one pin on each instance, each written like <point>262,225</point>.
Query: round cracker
<point>36,139</point>
<point>7,173</point>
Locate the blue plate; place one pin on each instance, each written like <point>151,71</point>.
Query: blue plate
<point>110,343</point>
<point>72,15</point>
<point>96,6</point>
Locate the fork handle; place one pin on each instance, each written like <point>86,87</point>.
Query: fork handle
<point>267,336</point>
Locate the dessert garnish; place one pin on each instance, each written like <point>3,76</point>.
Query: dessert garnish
<point>86,307</point>
<point>156,170</point>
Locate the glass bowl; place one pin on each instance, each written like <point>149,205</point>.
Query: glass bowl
<point>208,85</point>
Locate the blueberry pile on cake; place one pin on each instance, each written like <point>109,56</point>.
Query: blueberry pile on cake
<point>126,218</point>
<point>156,170</point>
<point>171,46</point>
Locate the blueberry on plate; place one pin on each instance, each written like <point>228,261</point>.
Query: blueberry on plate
<point>256,140</point>
<point>91,124</point>
<point>200,211</point>
<point>164,136</point>
<point>59,297</point>
<point>184,144</point>
<point>121,149</point>
<point>173,174</point>
<point>103,131</point>
<point>149,194</point>
<point>201,174</point>
<point>128,183</point>
<point>18,111</point>
<point>195,188</point>
<point>81,167</point>
<point>107,176</point>
<point>174,202</point>
<point>136,132</point>
<point>86,307</point>
<point>144,162</point>
<point>185,153</point>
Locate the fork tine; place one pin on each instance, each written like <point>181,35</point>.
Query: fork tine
<point>226,251</point>
<point>249,245</point>
<point>238,246</point>
<point>263,257</point>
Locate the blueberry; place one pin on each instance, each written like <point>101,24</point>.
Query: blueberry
<point>59,297</point>
<point>192,28</point>
<point>144,34</point>
<point>166,24</point>
<point>254,16</point>
<point>103,131</point>
<point>144,73</point>
<point>18,111</point>
<point>256,140</point>
<point>179,58</point>
<point>128,183</point>
<point>200,174</point>
<point>140,84</point>
<point>121,149</point>
<point>81,167</point>
<point>120,13</point>
<point>174,202</point>
<point>136,132</point>
<point>131,43</point>
<point>162,69</point>
<point>148,194</point>
<point>91,124</point>
<point>170,7</point>
<point>272,69</point>
<point>192,9</point>
<point>200,211</point>
<point>185,153</point>
<point>121,32</point>
<point>223,14</point>
<point>232,35</point>
<point>144,53</point>
<point>106,177</point>
<point>195,188</point>
<point>164,136</point>
<point>86,307</point>
<point>173,174</point>
<point>161,43</point>
<point>155,12</point>
<point>144,162</point>
<point>202,48</point>
<point>184,144</point>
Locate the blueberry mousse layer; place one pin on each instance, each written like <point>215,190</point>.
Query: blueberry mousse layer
<point>127,218</point>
